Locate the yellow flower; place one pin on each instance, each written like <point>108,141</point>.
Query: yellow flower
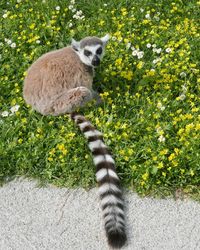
<point>32,26</point>
<point>164,152</point>
<point>188,127</point>
<point>176,150</point>
<point>191,172</point>
<point>20,141</point>
<point>118,61</point>
<point>155,158</point>
<point>24,120</point>
<point>151,72</point>
<point>101,23</point>
<point>52,152</point>
<point>145,176</point>
<point>171,157</point>
<point>174,163</point>
<point>130,151</point>
<point>140,64</point>
<point>104,94</point>
<point>160,165</point>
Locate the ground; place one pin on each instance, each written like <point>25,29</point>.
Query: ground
<point>59,219</point>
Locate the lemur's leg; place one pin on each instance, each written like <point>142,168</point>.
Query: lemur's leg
<point>68,101</point>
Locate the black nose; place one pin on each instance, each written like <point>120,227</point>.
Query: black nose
<point>95,61</point>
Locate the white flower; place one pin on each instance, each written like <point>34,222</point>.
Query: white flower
<point>4,114</point>
<point>184,88</point>
<point>168,50</point>
<point>157,18</point>
<point>38,41</point>
<point>57,7</point>
<point>73,10</point>
<point>72,1</point>
<point>133,48</point>
<point>134,53</point>
<point>154,49</point>
<point>158,51</point>
<point>5,15</point>
<point>8,41</point>
<point>13,45</point>
<point>158,129</point>
<point>154,45</point>
<point>148,16</point>
<point>128,45</point>
<point>182,74</point>
<point>161,138</point>
<point>140,54</point>
<point>182,97</point>
<point>148,45</point>
<point>19,1</point>
<point>70,7</point>
<point>70,25</point>
<point>105,4</point>
<point>14,108</point>
<point>155,61</point>
<point>141,10</point>
<point>79,12</point>
<point>160,106</point>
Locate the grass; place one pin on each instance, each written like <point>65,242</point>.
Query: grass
<point>149,80</point>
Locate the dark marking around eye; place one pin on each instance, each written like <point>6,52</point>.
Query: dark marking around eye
<point>87,52</point>
<point>99,51</point>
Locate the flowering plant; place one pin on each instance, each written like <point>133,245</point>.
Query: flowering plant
<point>150,84</point>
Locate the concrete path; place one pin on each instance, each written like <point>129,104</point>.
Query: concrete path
<point>33,218</point>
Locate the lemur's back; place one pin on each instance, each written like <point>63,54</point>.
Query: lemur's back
<point>53,73</point>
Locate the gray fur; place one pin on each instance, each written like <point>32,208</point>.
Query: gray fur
<point>89,41</point>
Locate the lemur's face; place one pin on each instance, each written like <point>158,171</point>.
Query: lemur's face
<point>92,55</point>
<point>90,49</point>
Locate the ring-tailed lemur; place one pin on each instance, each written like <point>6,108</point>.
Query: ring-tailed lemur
<point>58,83</point>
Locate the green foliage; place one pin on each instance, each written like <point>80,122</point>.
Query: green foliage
<point>149,80</point>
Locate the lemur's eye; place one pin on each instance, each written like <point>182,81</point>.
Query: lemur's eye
<point>99,51</point>
<point>87,52</point>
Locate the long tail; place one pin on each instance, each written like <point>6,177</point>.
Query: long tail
<point>108,181</point>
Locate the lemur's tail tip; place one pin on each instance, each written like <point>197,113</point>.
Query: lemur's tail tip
<point>116,239</point>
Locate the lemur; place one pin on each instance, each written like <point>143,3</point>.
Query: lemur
<point>59,82</point>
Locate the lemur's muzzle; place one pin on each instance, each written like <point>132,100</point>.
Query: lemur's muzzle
<point>95,61</point>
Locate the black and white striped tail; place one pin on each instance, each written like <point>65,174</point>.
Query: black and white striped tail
<point>108,181</point>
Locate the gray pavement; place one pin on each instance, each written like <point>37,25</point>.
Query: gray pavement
<point>57,219</point>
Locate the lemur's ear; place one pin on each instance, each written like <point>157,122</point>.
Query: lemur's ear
<point>75,45</point>
<point>105,39</point>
